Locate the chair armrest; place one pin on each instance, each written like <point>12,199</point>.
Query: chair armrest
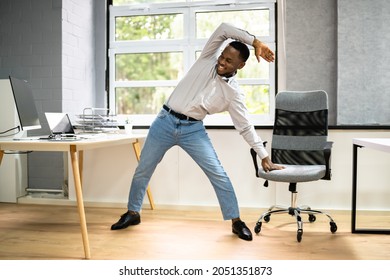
<point>327,156</point>
<point>254,158</point>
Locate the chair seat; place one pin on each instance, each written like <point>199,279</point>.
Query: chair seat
<point>295,173</point>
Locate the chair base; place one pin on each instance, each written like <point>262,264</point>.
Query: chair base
<point>296,212</point>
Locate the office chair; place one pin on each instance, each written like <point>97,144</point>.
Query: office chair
<point>299,142</point>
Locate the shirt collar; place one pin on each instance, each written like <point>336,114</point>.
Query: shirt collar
<point>226,79</point>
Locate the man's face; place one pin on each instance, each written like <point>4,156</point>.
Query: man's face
<point>229,62</point>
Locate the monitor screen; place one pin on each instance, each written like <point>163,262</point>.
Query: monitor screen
<point>25,104</point>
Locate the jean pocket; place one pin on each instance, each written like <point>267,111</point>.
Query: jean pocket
<point>163,113</point>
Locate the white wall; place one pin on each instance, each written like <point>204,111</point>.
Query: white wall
<point>78,57</point>
<point>179,182</point>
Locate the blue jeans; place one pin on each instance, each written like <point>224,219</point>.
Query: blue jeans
<point>167,131</point>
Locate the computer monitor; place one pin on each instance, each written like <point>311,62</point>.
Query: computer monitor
<point>25,104</point>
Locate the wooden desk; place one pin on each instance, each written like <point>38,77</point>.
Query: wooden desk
<point>381,144</point>
<point>75,150</point>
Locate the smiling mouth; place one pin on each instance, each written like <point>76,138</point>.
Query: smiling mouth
<point>220,68</point>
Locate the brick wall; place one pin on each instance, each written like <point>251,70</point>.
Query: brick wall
<point>51,44</point>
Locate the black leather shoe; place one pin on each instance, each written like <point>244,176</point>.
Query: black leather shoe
<point>243,232</point>
<point>127,219</point>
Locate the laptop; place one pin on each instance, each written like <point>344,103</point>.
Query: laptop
<point>61,129</point>
<point>60,126</point>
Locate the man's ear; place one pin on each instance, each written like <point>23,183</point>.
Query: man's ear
<point>241,65</point>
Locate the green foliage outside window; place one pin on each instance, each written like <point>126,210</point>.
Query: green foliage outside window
<point>154,27</point>
<point>148,66</point>
<point>141,100</point>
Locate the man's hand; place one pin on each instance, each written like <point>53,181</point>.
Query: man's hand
<point>262,50</point>
<point>268,166</point>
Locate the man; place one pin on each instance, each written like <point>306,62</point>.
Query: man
<point>209,87</point>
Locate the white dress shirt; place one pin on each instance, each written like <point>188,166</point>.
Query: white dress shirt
<point>202,91</point>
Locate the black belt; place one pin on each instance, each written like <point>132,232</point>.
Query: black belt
<point>178,115</point>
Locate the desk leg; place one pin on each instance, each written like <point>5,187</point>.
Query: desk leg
<point>354,187</point>
<point>354,228</point>
<point>80,202</point>
<point>1,156</point>
<point>137,151</point>
<point>81,164</point>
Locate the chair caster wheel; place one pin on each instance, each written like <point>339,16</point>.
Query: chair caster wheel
<point>258,227</point>
<point>299,235</point>
<point>312,218</point>
<point>333,227</point>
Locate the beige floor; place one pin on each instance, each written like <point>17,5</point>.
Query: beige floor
<point>45,232</point>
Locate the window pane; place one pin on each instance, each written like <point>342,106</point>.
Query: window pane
<point>142,100</point>
<point>207,22</point>
<point>257,98</point>
<point>126,2</point>
<point>254,69</point>
<point>153,27</point>
<point>148,66</point>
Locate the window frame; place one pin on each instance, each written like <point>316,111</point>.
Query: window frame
<point>188,45</point>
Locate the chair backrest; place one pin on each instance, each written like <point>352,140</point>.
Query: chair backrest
<point>301,127</point>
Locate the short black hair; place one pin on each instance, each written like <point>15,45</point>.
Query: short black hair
<point>242,48</point>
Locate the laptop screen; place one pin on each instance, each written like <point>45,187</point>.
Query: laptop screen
<point>59,123</point>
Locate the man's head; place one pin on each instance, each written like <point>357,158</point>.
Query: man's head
<point>232,58</point>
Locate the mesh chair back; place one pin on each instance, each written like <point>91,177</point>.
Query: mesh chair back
<point>300,128</point>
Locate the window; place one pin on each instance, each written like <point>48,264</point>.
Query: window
<point>154,43</point>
